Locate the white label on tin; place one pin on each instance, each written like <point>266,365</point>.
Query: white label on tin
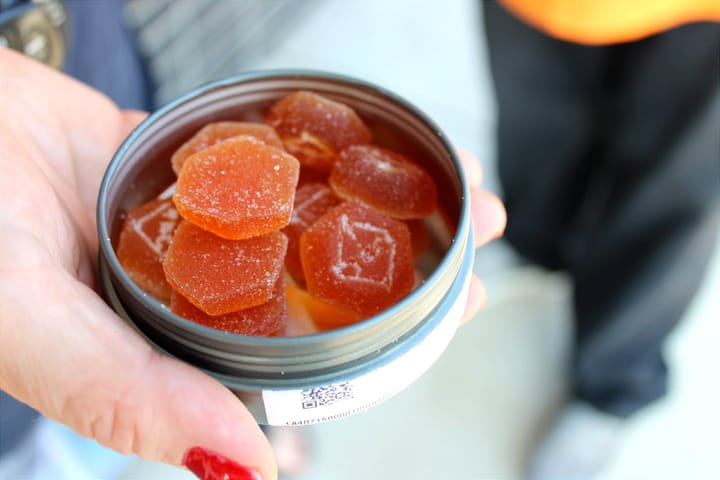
<point>342,399</point>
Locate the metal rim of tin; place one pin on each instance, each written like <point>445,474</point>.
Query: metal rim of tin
<point>254,363</point>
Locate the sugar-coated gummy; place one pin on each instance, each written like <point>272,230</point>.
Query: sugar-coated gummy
<point>312,200</point>
<point>357,259</point>
<point>386,181</point>
<point>220,276</point>
<point>144,239</point>
<point>261,320</point>
<point>238,188</point>
<point>315,128</point>
<point>216,132</point>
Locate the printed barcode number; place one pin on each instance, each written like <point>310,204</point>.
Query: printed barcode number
<point>323,396</point>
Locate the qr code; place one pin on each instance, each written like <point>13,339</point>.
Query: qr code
<point>323,396</point>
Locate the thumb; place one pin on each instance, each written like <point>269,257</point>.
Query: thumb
<point>86,368</point>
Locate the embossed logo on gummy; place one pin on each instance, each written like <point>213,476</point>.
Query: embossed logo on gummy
<point>366,254</point>
<point>164,230</point>
<point>302,213</point>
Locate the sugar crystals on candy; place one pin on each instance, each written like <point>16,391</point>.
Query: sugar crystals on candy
<point>238,188</point>
<point>312,200</point>
<point>144,239</point>
<point>216,132</point>
<point>217,245</point>
<point>315,128</point>
<point>265,319</point>
<point>357,259</point>
<point>385,180</point>
<point>220,276</point>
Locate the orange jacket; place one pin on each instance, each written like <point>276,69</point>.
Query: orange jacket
<point>598,22</point>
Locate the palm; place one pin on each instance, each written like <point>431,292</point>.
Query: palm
<point>64,351</point>
<point>51,172</point>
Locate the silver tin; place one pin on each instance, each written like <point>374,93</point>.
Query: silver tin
<point>306,379</point>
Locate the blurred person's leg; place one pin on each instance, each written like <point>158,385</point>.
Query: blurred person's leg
<point>608,157</point>
<point>548,93</point>
<point>652,223</point>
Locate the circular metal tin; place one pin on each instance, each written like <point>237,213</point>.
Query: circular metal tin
<point>306,379</point>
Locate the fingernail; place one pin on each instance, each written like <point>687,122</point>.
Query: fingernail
<point>208,465</point>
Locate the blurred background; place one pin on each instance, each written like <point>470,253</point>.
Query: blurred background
<point>478,411</point>
<point>476,414</point>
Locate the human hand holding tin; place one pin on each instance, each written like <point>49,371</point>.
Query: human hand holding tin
<point>65,352</point>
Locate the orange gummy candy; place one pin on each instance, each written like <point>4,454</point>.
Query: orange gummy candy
<point>144,240</point>
<point>384,180</point>
<point>312,200</point>
<point>315,128</point>
<point>357,259</point>
<point>262,320</point>
<point>238,188</point>
<point>220,276</point>
<point>216,132</point>
<point>323,315</point>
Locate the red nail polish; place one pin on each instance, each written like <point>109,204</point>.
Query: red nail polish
<point>208,465</point>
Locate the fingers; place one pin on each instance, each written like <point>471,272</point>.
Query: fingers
<point>489,219</point>
<point>77,363</point>
<point>192,410</point>
<point>488,213</point>
<point>471,166</point>
<point>488,216</point>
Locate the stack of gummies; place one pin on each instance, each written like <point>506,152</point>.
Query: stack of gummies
<point>297,217</point>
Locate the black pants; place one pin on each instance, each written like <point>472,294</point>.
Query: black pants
<point>609,160</point>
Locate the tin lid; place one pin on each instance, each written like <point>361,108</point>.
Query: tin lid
<point>140,170</point>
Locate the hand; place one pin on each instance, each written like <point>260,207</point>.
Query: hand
<point>488,218</point>
<point>64,352</point>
